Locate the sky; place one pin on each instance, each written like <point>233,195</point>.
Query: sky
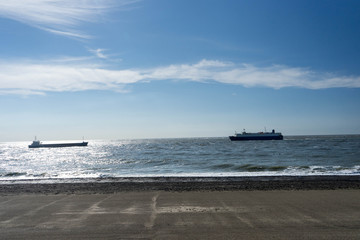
<point>129,69</point>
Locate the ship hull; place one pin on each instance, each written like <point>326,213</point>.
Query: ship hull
<point>58,145</point>
<point>249,137</point>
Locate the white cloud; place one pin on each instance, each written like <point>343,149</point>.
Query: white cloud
<point>99,53</point>
<point>251,76</point>
<point>61,17</point>
<point>30,78</point>
<point>38,78</point>
<point>68,33</point>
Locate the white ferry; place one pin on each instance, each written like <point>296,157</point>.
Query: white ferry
<point>244,136</point>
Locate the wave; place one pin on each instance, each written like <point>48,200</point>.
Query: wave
<point>246,170</point>
<point>260,168</point>
<point>15,174</point>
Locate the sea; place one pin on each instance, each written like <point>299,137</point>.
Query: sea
<point>183,157</point>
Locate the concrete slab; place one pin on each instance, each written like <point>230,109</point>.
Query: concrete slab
<point>313,214</point>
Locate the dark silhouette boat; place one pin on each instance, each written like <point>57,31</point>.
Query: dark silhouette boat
<point>38,144</point>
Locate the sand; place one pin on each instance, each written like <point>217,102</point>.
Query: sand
<point>183,208</point>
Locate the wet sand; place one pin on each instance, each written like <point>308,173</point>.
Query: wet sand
<point>183,208</point>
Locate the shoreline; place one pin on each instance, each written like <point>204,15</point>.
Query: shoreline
<point>178,184</point>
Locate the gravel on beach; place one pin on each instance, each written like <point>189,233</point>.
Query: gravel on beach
<point>113,185</point>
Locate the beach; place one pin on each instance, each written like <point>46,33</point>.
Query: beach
<point>316,207</point>
<point>120,184</point>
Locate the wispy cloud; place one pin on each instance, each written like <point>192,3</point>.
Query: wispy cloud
<point>62,17</point>
<point>99,53</point>
<point>247,75</point>
<point>38,78</point>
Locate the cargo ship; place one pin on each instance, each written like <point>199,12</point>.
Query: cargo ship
<point>38,144</point>
<point>244,136</point>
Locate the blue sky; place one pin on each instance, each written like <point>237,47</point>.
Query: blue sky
<point>158,68</point>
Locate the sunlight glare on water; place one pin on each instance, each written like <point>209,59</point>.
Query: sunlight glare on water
<point>300,155</point>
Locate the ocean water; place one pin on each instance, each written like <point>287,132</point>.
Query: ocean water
<point>295,155</point>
